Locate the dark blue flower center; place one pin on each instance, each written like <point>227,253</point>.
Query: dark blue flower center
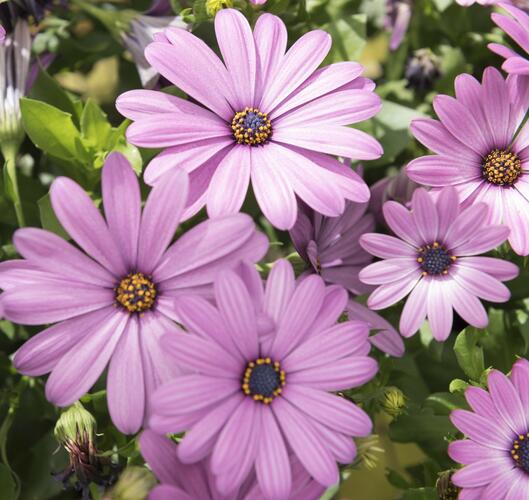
<point>435,259</point>
<point>263,380</point>
<point>136,293</point>
<point>502,167</point>
<point>520,452</point>
<point>251,127</point>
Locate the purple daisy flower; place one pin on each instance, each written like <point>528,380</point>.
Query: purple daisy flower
<point>112,304</point>
<point>434,260</point>
<point>188,481</point>
<point>478,150</point>
<point>252,398</point>
<point>516,25</point>
<point>496,454</point>
<point>330,246</point>
<point>265,115</point>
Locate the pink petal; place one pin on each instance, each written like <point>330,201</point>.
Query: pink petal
<point>386,247</point>
<point>279,289</point>
<point>415,309</point>
<point>387,271</point>
<point>482,430</point>
<point>466,452</point>
<point>480,284</point>
<point>425,216</point>
<point>498,268</point>
<point>387,295</point>
<point>440,313</point>
<point>482,473</point>
<point>400,221</point>
<point>469,307</point>
<point>507,401</point>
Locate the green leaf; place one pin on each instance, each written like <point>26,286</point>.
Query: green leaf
<point>48,218</point>
<point>421,494</point>
<point>458,385</point>
<point>50,129</point>
<point>348,36</point>
<point>469,355</point>
<point>7,483</point>
<point>95,127</point>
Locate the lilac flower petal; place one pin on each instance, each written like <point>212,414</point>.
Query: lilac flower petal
<point>471,493</point>
<point>507,401</point>
<point>331,139</point>
<point>346,276</point>
<point>194,353</point>
<point>272,465</point>
<point>466,452</point>
<point>512,27</point>
<point>199,70</point>
<point>481,473</point>
<point>235,438</point>
<point>168,491</point>
<point>387,295</point>
<point>208,246</point>
<point>160,218</point>
<point>469,307</point>
<point>415,309</point>
<point>440,171</point>
<point>188,156</point>
<point>400,221</point>
<point>320,83</point>
<point>236,44</point>
<point>338,376</point>
<point>520,379</point>
<point>41,353</point>
<point>516,66</point>
<point>466,224</point>
<point>60,257</point>
<point>481,402</point>
<point>306,443</point>
<point>332,308</point>
<point>496,103</point>
<point>386,247</point>
<point>272,189</point>
<point>297,65</point>
<point>448,209</point>
<point>516,218</point>
<point>121,189</point>
<point>160,453</point>
<point>342,447</point>
<point>31,305</point>
<point>270,35</point>
<point>330,410</point>
<point>83,222</point>
<point>195,392</point>
<point>425,216</point>
<point>519,489</point>
<point>279,289</point>
<point>139,104</point>
<point>227,191</point>
<point>440,314</point>
<point>175,129</point>
<point>500,486</point>
<point>387,271</point>
<point>339,341</point>
<point>79,369</point>
<point>483,240</point>
<point>125,385</point>
<point>481,430</point>
<point>498,268</point>
<point>480,283</point>
<point>303,308</point>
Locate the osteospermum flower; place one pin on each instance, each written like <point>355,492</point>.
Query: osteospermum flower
<point>187,481</point>
<point>112,303</point>
<point>495,454</point>
<point>264,115</point>
<point>249,403</point>
<point>330,247</point>
<point>478,151</point>
<point>434,260</point>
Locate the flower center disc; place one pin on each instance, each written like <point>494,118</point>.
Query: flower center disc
<point>136,293</point>
<point>520,452</point>
<point>434,259</point>
<point>502,167</point>
<point>251,127</point>
<point>263,380</point>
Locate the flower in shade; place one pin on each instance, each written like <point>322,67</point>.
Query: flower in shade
<point>112,302</point>
<point>423,69</point>
<point>330,247</point>
<point>478,150</point>
<point>434,259</point>
<point>495,454</point>
<point>397,20</point>
<point>186,481</point>
<point>141,33</point>
<point>264,115</point>
<point>252,400</point>
<point>29,10</point>
<point>516,25</point>
<point>2,34</point>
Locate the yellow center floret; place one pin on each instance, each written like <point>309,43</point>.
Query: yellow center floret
<point>136,293</point>
<point>263,380</point>
<point>502,167</point>
<point>251,127</point>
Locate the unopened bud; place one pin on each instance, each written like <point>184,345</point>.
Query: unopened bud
<point>74,424</point>
<point>369,451</point>
<point>446,490</point>
<point>393,401</point>
<point>213,6</point>
<point>133,484</point>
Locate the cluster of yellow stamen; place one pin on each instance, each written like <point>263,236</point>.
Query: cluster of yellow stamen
<point>434,259</point>
<point>263,380</point>
<point>502,167</point>
<point>251,127</point>
<point>520,451</point>
<point>136,293</point>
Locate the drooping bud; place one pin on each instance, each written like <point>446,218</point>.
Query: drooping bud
<point>393,401</point>
<point>133,484</point>
<point>446,490</point>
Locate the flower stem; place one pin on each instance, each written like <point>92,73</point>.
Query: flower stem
<point>10,154</point>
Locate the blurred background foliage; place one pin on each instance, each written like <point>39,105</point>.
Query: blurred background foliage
<point>71,125</point>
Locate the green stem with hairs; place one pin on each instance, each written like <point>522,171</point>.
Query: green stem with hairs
<point>10,154</point>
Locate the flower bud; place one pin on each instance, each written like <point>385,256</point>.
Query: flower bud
<point>446,490</point>
<point>423,69</point>
<point>133,484</point>
<point>393,401</point>
<point>368,451</point>
<point>213,6</point>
